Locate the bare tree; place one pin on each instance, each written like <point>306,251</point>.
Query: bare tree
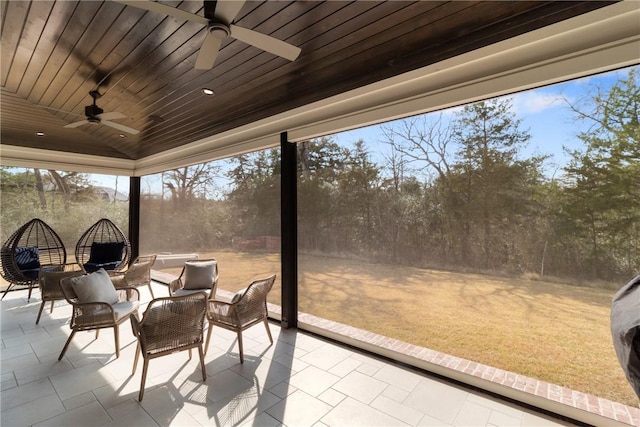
<point>62,182</point>
<point>40,188</point>
<point>422,139</point>
<point>186,183</point>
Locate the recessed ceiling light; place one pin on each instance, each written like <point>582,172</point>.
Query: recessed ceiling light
<point>122,135</point>
<point>39,133</point>
<point>208,91</point>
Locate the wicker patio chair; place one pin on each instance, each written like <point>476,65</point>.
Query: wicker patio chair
<point>30,246</point>
<point>49,282</point>
<point>168,325</point>
<point>247,308</point>
<point>197,275</point>
<point>138,274</point>
<point>97,304</point>
<point>103,245</point>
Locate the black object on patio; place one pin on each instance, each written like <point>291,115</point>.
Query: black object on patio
<point>32,245</point>
<point>103,245</point>
<point>625,330</point>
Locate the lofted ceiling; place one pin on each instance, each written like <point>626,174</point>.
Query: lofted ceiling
<point>142,63</point>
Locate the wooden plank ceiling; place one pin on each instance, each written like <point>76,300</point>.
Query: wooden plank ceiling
<point>55,52</point>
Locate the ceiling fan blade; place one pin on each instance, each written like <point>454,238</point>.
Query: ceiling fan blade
<point>265,42</point>
<point>111,116</point>
<point>167,10</point>
<point>208,52</point>
<point>118,126</point>
<point>227,10</point>
<point>77,124</point>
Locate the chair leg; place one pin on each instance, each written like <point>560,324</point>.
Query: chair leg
<point>190,355</point>
<point>40,311</point>
<point>30,289</point>
<point>151,290</point>
<point>204,371</point>
<point>266,325</point>
<point>135,360</point>
<point>51,309</point>
<point>66,345</point>
<point>240,345</point>
<point>116,334</point>
<point>6,290</point>
<point>206,346</point>
<point>145,365</point>
<point>97,333</point>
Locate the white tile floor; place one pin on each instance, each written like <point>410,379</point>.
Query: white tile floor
<point>300,380</point>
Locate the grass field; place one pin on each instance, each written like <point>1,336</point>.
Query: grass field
<point>550,331</point>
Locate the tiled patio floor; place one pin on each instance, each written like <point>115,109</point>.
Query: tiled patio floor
<point>300,380</point>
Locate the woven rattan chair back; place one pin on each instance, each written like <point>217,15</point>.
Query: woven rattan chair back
<point>169,325</point>
<point>103,232</point>
<point>49,283</point>
<point>247,308</point>
<point>30,246</point>
<point>138,274</point>
<point>177,286</point>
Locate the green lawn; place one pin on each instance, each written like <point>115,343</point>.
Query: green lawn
<point>550,331</point>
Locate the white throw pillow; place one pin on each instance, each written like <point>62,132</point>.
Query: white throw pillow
<point>238,295</point>
<point>94,287</point>
<point>238,301</point>
<point>199,275</point>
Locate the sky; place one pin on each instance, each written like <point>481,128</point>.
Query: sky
<point>543,111</point>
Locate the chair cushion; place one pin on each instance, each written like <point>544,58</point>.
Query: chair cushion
<point>94,287</point>
<point>27,258</point>
<point>105,253</point>
<point>125,308</point>
<point>199,275</point>
<point>237,298</point>
<point>238,295</point>
<point>183,292</point>
<point>90,267</point>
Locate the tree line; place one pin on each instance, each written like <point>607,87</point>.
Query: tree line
<point>452,192</point>
<point>458,193</point>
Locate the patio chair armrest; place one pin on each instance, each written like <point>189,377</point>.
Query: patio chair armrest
<point>174,285</point>
<point>220,309</point>
<point>93,305</point>
<point>128,293</point>
<point>119,281</point>
<point>135,324</point>
<point>92,314</point>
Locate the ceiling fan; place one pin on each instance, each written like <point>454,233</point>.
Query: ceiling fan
<point>218,18</point>
<point>96,115</point>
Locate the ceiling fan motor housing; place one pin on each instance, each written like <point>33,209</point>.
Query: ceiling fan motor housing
<point>219,29</point>
<point>92,111</point>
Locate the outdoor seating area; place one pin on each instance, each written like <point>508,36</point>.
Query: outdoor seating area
<point>298,380</point>
<point>35,247</point>
<point>326,201</point>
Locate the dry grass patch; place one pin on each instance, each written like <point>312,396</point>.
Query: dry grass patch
<point>550,331</point>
